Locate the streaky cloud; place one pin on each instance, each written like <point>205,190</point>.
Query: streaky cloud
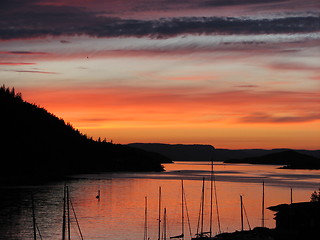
<point>247,86</point>
<point>34,71</point>
<point>16,63</point>
<point>64,41</point>
<point>268,118</point>
<point>36,21</point>
<point>294,67</point>
<point>22,53</point>
<point>217,3</point>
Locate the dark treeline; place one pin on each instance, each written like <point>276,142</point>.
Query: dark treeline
<point>290,159</point>
<point>36,145</point>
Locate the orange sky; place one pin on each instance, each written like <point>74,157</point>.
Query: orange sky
<point>181,115</point>
<point>122,72</point>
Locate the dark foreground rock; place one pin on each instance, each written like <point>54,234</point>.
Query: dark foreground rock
<point>257,233</point>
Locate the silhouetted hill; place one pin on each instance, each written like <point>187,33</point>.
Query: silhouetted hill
<point>198,152</point>
<point>37,145</point>
<point>221,154</point>
<point>178,152</point>
<point>288,158</point>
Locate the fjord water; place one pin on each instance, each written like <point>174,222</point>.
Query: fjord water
<point>119,213</point>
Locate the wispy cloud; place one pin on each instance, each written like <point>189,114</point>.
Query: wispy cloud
<point>162,28</point>
<point>22,53</point>
<point>34,71</point>
<point>247,86</point>
<point>64,41</point>
<point>36,20</point>
<point>285,118</point>
<point>294,67</point>
<point>16,63</point>
<point>238,2</point>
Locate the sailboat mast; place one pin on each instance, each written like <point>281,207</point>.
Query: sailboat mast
<point>146,219</point>
<point>64,214</point>
<point>262,223</point>
<point>165,224</point>
<point>159,216</point>
<point>68,209</point>
<point>182,209</point>
<point>33,219</point>
<point>211,199</point>
<point>202,208</point>
<point>241,212</point>
<point>216,198</point>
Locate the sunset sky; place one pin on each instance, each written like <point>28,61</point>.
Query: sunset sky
<point>230,73</point>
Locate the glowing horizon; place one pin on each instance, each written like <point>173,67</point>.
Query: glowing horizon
<point>232,75</point>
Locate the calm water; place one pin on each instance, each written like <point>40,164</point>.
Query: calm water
<point>119,214</point>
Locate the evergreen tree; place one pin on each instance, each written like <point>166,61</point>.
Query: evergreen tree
<point>315,196</point>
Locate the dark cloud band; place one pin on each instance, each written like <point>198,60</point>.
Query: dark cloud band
<point>162,28</point>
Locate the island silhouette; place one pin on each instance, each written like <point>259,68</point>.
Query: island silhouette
<point>289,159</point>
<point>37,146</point>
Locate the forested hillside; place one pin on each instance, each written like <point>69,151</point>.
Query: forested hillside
<point>36,145</point>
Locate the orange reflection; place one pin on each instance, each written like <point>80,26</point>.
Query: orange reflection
<point>120,211</point>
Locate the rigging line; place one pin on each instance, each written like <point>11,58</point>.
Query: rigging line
<point>159,217</point>
<point>216,197</point>
<point>245,213</point>
<point>202,210</point>
<point>211,199</point>
<point>39,231</point>
<point>182,209</point>
<point>262,208</point>
<point>241,212</point>
<point>185,204</point>
<point>75,216</point>
<point>198,225</point>
<point>74,230</point>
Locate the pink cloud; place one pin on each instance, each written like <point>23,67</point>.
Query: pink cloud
<point>35,71</point>
<point>294,67</point>
<point>315,78</point>
<point>16,63</point>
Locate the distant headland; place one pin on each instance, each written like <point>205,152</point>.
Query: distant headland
<point>288,158</point>
<point>179,152</point>
<point>38,146</point>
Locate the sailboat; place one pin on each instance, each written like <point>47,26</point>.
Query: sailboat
<point>181,236</point>
<point>66,218</point>
<point>243,212</point>
<point>201,235</point>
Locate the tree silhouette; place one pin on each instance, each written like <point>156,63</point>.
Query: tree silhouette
<point>315,196</point>
<point>38,145</point>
